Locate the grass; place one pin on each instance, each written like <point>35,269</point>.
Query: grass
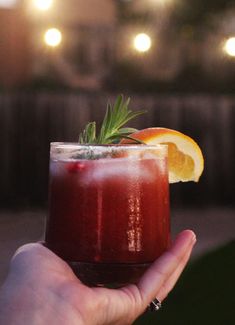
<point>205,294</point>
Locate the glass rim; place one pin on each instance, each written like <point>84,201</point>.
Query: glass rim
<point>121,146</point>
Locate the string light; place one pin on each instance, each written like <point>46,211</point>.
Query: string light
<point>53,37</point>
<point>43,4</point>
<point>142,42</point>
<point>229,46</point>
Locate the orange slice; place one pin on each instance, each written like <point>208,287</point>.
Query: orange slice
<point>185,159</point>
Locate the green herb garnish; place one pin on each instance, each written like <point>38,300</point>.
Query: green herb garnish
<point>112,130</point>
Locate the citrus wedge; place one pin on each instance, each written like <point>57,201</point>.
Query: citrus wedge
<point>185,159</point>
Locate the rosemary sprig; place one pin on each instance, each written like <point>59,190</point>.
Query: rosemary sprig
<point>112,129</point>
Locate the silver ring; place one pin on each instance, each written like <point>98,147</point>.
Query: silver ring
<point>155,305</point>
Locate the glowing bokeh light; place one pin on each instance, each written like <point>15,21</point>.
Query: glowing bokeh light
<point>43,4</point>
<point>229,46</point>
<point>142,42</point>
<point>53,37</point>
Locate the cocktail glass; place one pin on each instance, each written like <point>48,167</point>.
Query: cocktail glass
<point>108,209</point>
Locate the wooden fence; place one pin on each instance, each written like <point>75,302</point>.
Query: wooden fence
<point>29,122</point>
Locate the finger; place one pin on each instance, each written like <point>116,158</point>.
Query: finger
<point>164,267</point>
<point>169,284</point>
<point>30,253</point>
<point>36,258</point>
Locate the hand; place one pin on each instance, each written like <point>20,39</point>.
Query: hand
<point>41,289</point>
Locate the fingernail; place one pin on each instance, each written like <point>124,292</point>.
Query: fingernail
<point>194,239</point>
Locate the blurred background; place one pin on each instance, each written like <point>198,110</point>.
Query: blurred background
<point>61,61</point>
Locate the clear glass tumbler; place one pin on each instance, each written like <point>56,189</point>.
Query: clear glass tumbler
<point>108,209</point>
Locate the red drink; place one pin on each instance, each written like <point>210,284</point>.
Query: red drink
<point>109,210</point>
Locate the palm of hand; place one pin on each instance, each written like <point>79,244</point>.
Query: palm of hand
<point>42,289</point>
<point>50,283</point>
